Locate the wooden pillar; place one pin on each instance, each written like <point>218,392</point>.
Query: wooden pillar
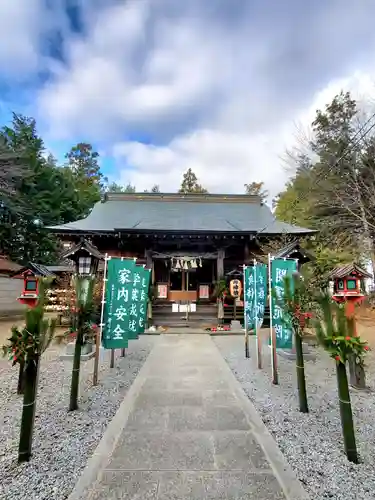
<point>246,253</point>
<point>183,280</point>
<point>220,263</point>
<point>150,265</point>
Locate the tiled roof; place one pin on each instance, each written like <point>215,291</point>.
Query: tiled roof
<point>141,212</point>
<point>346,270</point>
<point>292,248</point>
<point>37,269</point>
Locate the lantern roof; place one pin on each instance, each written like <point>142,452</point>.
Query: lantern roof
<point>348,269</point>
<point>294,250</point>
<point>35,269</point>
<point>85,246</point>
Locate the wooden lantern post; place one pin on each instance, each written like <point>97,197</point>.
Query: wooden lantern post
<point>347,290</point>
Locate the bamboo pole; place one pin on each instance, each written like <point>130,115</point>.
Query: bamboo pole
<point>28,410</point>
<point>301,381</point>
<point>123,352</point>
<point>346,414</point>
<point>74,388</point>
<point>99,333</point>
<point>298,344</point>
<point>112,362</point>
<point>21,378</point>
<point>275,375</point>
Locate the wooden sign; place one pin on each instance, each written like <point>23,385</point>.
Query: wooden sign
<point>235,288</point>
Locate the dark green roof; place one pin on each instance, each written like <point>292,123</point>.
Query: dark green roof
<point>207,213</point>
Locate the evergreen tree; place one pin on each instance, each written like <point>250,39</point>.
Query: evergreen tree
<point>190,183</point>
<point>88,180</point>
<point>36,193</point>
<point>36,201</point>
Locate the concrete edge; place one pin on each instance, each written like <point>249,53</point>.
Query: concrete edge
<point>288,480</point>
<point>96,463</point>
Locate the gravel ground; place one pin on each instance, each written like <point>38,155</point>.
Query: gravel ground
<point>63,441</point>
<point>311,443</point>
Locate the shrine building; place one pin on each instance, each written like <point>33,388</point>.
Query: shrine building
<point>189,241</point>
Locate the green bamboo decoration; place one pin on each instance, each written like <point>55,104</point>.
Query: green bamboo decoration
<point>21,378</point>
<point>334,331</point>
<point>294,303</point>
<point>84,311</point>
<point>25,347</point>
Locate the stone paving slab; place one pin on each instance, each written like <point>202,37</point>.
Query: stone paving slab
<point>186,430</point>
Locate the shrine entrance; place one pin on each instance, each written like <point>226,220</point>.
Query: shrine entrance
<point>184,288</point>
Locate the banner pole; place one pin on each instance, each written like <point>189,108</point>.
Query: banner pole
<point>257,339</point>
<point>100,332</point>
<point>275,378</point>
<point>247,354</point>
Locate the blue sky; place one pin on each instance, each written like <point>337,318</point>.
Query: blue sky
<point>158,86</point>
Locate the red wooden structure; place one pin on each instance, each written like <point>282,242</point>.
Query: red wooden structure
<point>30,275</point>
<point>347,286</point>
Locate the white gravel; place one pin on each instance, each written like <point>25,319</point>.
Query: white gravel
<point>311,443</point>
<point>63,441</point>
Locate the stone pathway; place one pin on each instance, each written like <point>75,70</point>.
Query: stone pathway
<point>187,431</point>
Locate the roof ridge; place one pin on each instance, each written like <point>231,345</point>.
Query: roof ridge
<point>182,197</point>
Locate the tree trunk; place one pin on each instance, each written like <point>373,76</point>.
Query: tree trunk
<point>357,374</point>
<point>301,381</point>
<point>346,414</point>
<point>28,410</point>
<point>74,388</point>
<point>21,378</point>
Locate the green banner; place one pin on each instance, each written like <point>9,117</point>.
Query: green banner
<point>249,296</point>
<point>138,309</point>
<point>145,285</point>
<point>284,333</point>
<point>125,301</point>
<point>255,294</point>
<point>261,292</point>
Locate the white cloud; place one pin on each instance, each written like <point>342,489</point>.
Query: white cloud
<point>222,161</point>
<point>20,28</point>
<point>220,95</point>
<point>111,80</point>
<point>225,160</point>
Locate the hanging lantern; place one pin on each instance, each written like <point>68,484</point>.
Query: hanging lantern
<point>194,264</point>
<point>200,262</point>
<point>235,287</point>
<point>178,265</point>
<point>186,265</point>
